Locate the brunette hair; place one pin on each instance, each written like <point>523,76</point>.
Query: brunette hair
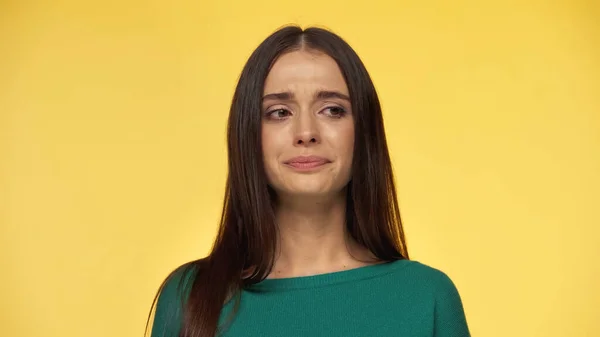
<point>244,250</point>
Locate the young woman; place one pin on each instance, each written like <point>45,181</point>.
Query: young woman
<point>310,241</point>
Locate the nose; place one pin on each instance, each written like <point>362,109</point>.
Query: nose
<point>306,130</point>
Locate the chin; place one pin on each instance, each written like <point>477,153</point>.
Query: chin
<point>312,190</point>
<point>308,192</point>
<point>311,186</point>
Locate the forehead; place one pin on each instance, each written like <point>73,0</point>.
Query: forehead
<point>305,70</point>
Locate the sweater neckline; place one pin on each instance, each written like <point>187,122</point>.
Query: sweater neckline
<point>318,280</point>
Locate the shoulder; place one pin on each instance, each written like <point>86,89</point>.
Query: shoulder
<point>419,274</point>
<point>416,273</point>
<point>427,285</point>
<point>442,293</point>
<point>178,282</point>
<point>171,299</point>
<point>432,278</point>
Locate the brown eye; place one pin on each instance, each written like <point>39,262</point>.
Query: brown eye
<point>335,111</point>
<point>278,113</point>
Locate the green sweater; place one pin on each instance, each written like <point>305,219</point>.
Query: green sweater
<point>401,299</point>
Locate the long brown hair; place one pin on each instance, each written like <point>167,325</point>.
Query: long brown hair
<point>247,235</point>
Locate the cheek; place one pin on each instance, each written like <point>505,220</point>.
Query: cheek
<point>271,149</point>
<point>347,143</point>
<point>271,140</point>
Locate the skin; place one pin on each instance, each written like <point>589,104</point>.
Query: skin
<point>306,111</point>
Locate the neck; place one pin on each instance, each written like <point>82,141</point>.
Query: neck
<point>313,238</point>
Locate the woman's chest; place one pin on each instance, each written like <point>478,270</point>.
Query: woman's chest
<point>329,316</point>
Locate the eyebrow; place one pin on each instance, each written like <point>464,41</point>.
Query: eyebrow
<point>323,94</point>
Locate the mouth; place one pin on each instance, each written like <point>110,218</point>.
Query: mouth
<point>307,162</point>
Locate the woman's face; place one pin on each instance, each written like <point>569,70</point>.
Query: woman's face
<point>307,126</point>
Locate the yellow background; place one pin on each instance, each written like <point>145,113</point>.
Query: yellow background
<point>112,140</point>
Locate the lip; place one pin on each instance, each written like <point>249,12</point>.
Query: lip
<point>306,162</point>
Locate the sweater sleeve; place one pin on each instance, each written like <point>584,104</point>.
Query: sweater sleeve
<point>168,317</point>
<point>450,320</point>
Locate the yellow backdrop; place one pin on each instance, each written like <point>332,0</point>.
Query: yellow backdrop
<point>113,155</point>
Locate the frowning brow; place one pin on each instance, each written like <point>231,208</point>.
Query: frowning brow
<point>323,94</point>
<point>332,94</point>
